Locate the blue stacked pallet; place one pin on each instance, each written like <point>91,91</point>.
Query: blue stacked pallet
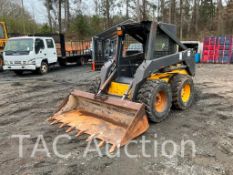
<point>225,46</point>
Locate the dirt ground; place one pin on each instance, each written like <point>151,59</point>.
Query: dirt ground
<point>27,101</point>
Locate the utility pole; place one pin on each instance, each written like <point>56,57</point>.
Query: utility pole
<point>23,17</point>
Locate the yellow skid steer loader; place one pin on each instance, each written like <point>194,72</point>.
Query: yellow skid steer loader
<point>133,86</point>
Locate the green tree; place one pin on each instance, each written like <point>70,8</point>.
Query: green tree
<point>45,29</point>
<point>80,27</point>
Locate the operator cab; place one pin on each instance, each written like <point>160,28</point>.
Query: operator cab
<point>136,35</point>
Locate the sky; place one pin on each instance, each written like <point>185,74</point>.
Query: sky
<point>37,10</point>
<point>39,13</point>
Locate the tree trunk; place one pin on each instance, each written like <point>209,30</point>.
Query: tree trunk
<point>48,7</point>
<point>220,20</point>
<point>127,9</point>
<point>138,10</point>
<point>172,11</point>
<point>96,7</point>
<point>162,11</point>
<point>181,19</point>
<point>23,17</point>
<point>67,14</point>
<point>144,15</point>
<point>108,13</point>
<point>197,16</point>
<point>59,16</point>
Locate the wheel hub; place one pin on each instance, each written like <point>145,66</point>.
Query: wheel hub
<point>44,68</point>
<point>186,93</point>
<point>160,101</point>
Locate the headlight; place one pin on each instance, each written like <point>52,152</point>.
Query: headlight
<point>31,62</point>
<point>5,62</point>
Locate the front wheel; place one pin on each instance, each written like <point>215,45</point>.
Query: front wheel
<point>44,68</point>
<point>157,97</point>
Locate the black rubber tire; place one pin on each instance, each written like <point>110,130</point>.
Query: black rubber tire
<point>62,62</point>
<point>18,72</point>
<point>177,82</point>
<point>81,61</point>
<point>44,68</point>
<point>147,95</point>
<point>1,64</point>
<point>94,86</point>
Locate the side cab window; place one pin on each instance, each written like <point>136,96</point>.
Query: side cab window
<point>39,45</point>
<point>50,43</point>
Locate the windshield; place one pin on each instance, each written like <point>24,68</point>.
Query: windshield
<point>19,45</point>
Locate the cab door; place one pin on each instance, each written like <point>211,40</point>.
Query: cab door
<point>51,50</point>
<point>40,52</point>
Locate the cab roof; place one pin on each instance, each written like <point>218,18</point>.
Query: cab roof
<point>140,30</point>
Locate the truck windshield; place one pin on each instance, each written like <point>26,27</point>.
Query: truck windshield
<point>19,45</point>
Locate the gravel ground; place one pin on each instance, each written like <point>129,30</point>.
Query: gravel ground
<point>27,101</point>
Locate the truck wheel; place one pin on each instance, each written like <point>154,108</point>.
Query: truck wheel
<point>81,61</point>
<point>62,62</point>
<point>157,97</point>
<point>44,68</point>
<point>18,72</point>
<point>1,64</point>
<point>94,86</point>
<point>182,91</point>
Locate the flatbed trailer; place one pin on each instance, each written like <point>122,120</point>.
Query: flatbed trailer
<point>72,51</point>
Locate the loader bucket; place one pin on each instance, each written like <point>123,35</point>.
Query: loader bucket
<point>112,120</point>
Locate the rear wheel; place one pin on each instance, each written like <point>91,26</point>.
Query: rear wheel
<point>157,97</point>
<point>44,68</point>
<point>18,72</point>
<point>1,64</point>
<point>81,61</point>
<point>182,91</point>
<point>62,62</point>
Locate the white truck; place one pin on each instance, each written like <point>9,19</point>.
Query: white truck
<point>36,53</point>
<point>29,53</point>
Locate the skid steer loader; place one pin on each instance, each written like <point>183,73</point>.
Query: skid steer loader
<point>132,87</point>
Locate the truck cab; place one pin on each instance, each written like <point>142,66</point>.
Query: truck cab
<point>29,54</point>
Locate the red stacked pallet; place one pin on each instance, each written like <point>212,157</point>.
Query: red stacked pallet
<point>217,50</point>
<point>209,46</point>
